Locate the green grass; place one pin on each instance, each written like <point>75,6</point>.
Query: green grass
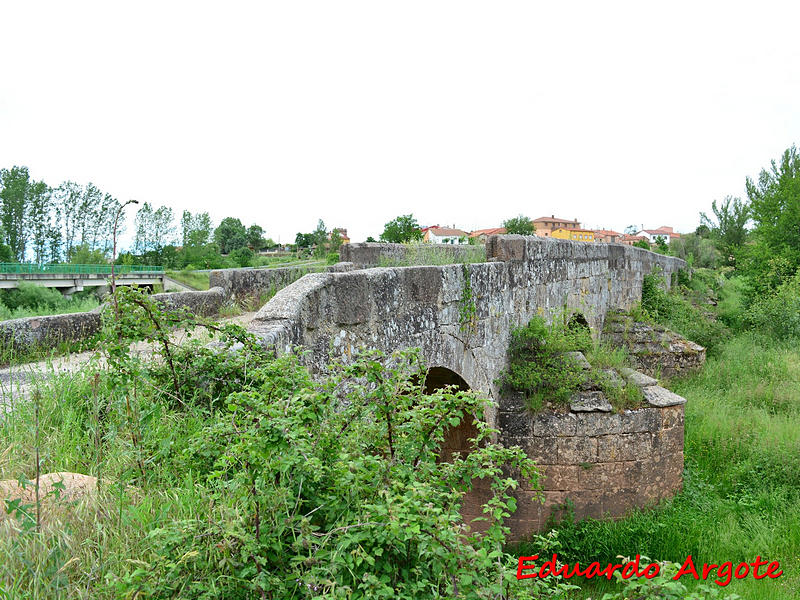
<point>68,306</point>
<point>195,279</point>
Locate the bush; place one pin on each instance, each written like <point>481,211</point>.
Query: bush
<point>243,257</point>
<point>777,313</point>
<point>30,295</point>
<point>678,314</point>
<point>538,367</point>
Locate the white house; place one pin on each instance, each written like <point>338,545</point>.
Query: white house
<point>444,235</point>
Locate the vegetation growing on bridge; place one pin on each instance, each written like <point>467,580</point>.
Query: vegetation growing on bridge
<point>542,368</point>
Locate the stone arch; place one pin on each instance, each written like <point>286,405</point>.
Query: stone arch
<point>457,443</point>
<point>578,322</point>
<point>456,439</point>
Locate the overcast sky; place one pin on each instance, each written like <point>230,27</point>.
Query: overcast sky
<point>464,113</point>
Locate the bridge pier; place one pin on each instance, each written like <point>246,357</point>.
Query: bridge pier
<point>77,286</point>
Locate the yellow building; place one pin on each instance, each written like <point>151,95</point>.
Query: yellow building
<point>578,235</point>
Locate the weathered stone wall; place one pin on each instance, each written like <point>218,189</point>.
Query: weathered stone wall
<point>372,254</point>
<point>47,332</point>
<point>204,303</point>
<point>655,349</point>
<point>248,285</point>
<point>30,333</point>
<point>604,464</point>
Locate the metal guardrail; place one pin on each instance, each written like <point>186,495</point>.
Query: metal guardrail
<point>63,269</point>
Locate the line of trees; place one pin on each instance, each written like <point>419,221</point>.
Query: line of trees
<point>52,224</point>
<point>74,223</point>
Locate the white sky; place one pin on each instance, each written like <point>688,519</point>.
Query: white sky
<point>463,113</point>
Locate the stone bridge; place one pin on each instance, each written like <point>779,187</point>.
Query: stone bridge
<point>461,316</point>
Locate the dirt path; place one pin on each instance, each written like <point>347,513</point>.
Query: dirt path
<point>17,381</point>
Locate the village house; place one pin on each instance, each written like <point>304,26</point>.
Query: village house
<point>630,240</point>
<point>482,234</point>
<point>665,232</point>
<point>444,235</point>
<point>578,235</point>
<point>606,235</point>
<point>545,226</point>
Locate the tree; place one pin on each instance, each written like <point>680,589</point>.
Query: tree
<point>196,229</point>
<point>320,235</point>
<point>335,241</point>
<point>401,229</point>
<point>82,254</point>
<point>729,231</point>
<point>304,240</point>
<point>243,256</point>
<point>230,235</point>
<point>371,239</point>
<point>641,244</point>
<point>631,229</point>
<point>775,206</point>
<point>520,225</point>
<point>661,244</point>
<point>38,214</point>
<point>14,192</point>
<point>255,238</point>
<point>68,199</point>
<point>154,229</point>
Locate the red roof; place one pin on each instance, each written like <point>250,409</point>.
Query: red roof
<point>493,231</point>
<point>606,232</point>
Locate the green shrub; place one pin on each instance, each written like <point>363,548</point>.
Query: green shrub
<point>777,313</point>
<point>680,315</point>
<point>537,364</point>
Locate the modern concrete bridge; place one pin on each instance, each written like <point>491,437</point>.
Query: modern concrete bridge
<point>69,279</point>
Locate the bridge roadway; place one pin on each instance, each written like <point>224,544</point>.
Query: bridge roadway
<point>69,283</point>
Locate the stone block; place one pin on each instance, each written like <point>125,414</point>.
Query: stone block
<point>636,378</point>
<point>576,450</point>
<point>671,416</point>
<point>658,396</point>
<point>589,402</point>
<point>594,424</point>
<point>643,419</point>
<point>551,424</point>
<point>352,298</point>
<point>516,424</point>
<point>579,359</point>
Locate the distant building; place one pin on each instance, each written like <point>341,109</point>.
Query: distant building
<point>444,235</point>
<point>665,232</point>
<point>545,226</point>
<point>342,234</point>
<point>482,234</point>
<point>606,235</point>
<point>578,235</point>
<point>630,240</point>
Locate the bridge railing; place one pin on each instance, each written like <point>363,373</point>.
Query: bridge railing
<point>64,269</point>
